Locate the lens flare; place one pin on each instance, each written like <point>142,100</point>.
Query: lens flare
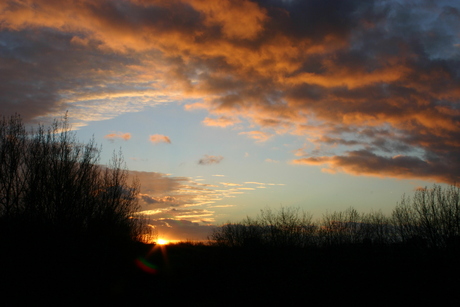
<point>146,266</point>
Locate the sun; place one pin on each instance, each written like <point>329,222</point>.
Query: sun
<point>162,242</point>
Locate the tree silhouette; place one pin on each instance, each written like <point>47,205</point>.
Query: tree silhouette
<point>431,218</point>
<point>52,186</point>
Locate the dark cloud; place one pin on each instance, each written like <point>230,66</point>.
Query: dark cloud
<point>210,160</point>
<point>338,73</point>
<point>42,70</point>
<point>159,202</point>
<point>363,162</point>
<point>314,19</point>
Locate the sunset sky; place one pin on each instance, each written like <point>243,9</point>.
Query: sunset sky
<point>222,108</point>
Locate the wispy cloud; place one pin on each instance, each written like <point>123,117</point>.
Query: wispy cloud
<point>161,191</point>
<point>222,121</point>
<point>222,206</point>
<point>210,160</point>
<point>259,136</point>
<point>230,184</point>
<point>177,203</point>
<point>158,138</point>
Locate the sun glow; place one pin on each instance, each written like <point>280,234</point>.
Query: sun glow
<point>162,242</point>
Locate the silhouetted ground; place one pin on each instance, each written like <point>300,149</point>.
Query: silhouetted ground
<point>293,276</point>
<point>107,274</point>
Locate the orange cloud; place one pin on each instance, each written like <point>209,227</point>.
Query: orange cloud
<point>341,76</point>
<point>222,14</point>
<point>159,138</point>
<point>259,136</point>
<point>222,121</point>
<point>118,135</point>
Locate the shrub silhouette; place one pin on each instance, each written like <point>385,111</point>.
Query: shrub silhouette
<point>350,227</point>
<point>52,186</point>
<point>287,227</point>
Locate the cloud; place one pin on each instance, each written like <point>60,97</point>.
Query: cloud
<point>178,207</point>
<point>374,76</point>
<point>210,160</point>
<point>222,14</point>
<point>230,184</point>
<point>259,136</point>
<point>158,138</point>
<point>222,206</point>
<point>179,222</point>
<point>160,193</point>
<point>193,215</point>
<point>363,162</point>
<point>160,202</point>
<point>222,121</point>
<point>118,135</point>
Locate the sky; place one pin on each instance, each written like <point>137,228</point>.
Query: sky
<point>223,108</point>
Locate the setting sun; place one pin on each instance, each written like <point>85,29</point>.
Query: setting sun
<point>162,242</point>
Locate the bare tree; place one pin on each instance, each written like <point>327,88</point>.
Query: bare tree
<point>431,218</point>
<point>376,228</point>
<point>12,144</point>
<point>287,227</point>
<point>343,227</point>
<point>52,184</point>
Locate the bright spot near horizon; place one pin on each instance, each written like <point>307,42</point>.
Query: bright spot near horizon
<point>162,242</point>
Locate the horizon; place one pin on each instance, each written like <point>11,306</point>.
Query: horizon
<point>225,109</point>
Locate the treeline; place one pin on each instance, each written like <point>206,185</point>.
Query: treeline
<point>428,220</point>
